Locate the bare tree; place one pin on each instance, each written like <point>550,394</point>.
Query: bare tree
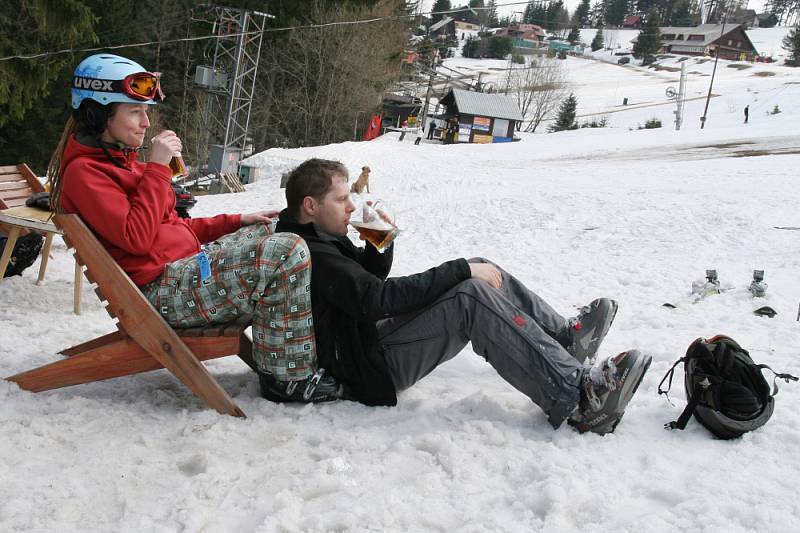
<point>319,79</point>
<point>539,88</point>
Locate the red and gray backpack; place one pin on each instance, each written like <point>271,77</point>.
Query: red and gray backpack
<point>725,390</point>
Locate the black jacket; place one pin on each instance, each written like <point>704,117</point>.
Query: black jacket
<point>350,291</point>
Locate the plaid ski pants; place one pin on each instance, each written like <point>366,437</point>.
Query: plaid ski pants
<point>253,272</point>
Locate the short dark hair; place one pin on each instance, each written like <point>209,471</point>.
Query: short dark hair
<point>313,178</point>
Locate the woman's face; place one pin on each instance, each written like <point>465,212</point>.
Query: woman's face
<point>127,125</point>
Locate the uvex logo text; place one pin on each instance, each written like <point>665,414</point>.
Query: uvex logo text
<point>95,85</point>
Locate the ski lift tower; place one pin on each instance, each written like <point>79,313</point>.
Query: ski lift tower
<point>230,83</point>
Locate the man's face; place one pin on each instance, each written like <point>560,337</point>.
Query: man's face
<point>332,214</point>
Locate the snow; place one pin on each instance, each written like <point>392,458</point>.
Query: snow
<point>631,214</point>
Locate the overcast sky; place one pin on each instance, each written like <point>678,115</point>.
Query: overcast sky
<point>507,7</point>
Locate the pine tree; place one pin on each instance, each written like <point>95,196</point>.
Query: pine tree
<point>491,15</point>
<point>615,12</point>
<point>32,26</point>
<point>440,5</point>
<point>649,40</point>
<point>574,36</point>
<point>791,43</point>
<point>581,15</point>
<point>566,115</point>
<point>681,14</point>
<point>598,42</point>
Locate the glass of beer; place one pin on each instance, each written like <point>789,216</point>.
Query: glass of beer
<point>178,166</point>
<point>374,222</point>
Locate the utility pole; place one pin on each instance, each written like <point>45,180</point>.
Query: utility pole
<point>713,73</point>
<point>434,58</point>
<point>512,23</point>
<point>230,83</point>
<point>680,97</point>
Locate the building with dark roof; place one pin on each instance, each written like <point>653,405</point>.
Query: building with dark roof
<point>709,39</point>
<point>474,117</point>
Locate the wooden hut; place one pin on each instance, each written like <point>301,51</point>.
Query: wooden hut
<point>474,117</point>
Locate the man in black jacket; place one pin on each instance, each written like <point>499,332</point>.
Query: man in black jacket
<point>377,335</point>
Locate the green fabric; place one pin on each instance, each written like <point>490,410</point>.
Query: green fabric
<point>253,272</point>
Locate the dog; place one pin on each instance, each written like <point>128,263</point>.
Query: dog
<point>362,182</point>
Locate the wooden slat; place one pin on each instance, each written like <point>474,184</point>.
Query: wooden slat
<point>28,217</point>
<point>13,178</point>
<point>15,202</point>
<point>246,351</point>
<point>8,168</point>
<point>30,177</point>
<point>8,185</point>
<point>142,322</point>
<point>23,193</point>
<point>116,358</point>
<point>94,343</point>
<point>88,275</point>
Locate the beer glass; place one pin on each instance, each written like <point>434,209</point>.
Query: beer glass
<point>374,221</point>
<point>177,166</point>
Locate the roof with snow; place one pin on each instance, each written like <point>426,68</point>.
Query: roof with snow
<point>441,24</point>
<point>708,32</point>
<point>483,104</point>
<point>697,38</point>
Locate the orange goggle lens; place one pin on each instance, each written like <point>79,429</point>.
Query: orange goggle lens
<point>143,86</point>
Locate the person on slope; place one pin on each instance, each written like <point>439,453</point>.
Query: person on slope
<point>378,335</point>
<point>194,271</point>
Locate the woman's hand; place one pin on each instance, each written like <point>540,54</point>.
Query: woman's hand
<point>260,217</point>
<point>488,273</point>
<point>164,145</point>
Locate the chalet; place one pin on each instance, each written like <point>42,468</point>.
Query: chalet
<point>443,29</point>
<point>474,117</point>
<point>524,35</point>
<point>462,25</point>
<point>632,21</point>
<point>708,39</point>
<point>466,19</point>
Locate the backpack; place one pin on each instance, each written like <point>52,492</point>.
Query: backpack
<point>725,390</point>
<point>25,252</point>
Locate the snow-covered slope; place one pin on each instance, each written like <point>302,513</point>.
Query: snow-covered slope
<point>633,215</point>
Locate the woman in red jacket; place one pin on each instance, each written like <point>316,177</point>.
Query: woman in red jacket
<point>194,271</point>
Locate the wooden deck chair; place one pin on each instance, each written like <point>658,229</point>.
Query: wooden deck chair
<point>17,183</point>
<point>143,341</point>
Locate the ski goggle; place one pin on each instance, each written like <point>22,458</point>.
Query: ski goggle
<point>141,86</point>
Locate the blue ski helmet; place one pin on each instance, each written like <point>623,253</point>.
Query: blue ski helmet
<point>108,78</point>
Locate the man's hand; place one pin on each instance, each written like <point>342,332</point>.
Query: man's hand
<point>488,273</point>
<point>260,217</point>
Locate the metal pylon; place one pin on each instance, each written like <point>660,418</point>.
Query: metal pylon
<point>236,55</point>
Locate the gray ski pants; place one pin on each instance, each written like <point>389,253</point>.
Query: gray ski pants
<point>512,328</point>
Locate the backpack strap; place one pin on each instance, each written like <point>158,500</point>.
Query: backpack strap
<point>697,393</point>
<point>687,412</point>
<point>669,374</point>
<point>682,420</point>
<point>785,377</point>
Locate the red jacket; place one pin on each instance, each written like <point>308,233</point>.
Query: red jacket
<point>131,210</point>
